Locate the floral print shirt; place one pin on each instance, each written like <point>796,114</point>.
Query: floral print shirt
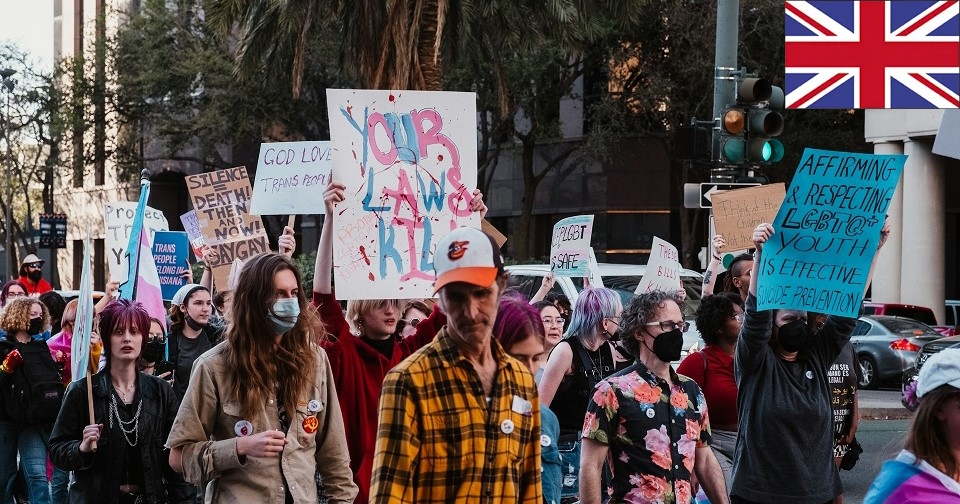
<point>652,430</point>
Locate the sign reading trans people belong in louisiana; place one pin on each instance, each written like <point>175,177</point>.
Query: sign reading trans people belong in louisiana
<point>827,231</point>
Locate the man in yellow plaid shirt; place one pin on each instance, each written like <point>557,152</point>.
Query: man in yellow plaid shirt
<point>460,419</point>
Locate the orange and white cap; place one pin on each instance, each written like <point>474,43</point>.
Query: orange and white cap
<point>466,255</point>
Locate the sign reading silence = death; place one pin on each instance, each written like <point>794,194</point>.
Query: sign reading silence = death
<point>291,177</point>
<point>827,231</point>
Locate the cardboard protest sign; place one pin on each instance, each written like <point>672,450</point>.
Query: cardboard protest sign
<point>408,160</point>
<point>493,232</point>
<point>737,213</point>
<point>170,251</point>
<point>118,222</point>
<point>192,226</point>
<point>221,200</point>
<point>827,232</point>
<point>570,246</point>
<point>291,177</point>
<point>663,268</point>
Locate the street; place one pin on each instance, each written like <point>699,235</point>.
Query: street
<point>881,440</point>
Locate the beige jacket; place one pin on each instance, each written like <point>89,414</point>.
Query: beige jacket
<point>205,428</point>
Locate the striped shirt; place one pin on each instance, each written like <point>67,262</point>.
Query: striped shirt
<point>440,440</point>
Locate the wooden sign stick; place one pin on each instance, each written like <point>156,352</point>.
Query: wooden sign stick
<point>291,220</point>
<point>93,421</point>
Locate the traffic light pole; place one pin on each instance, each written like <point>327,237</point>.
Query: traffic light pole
<point>724,81</point>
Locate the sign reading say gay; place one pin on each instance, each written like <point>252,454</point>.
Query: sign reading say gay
<point>408,160</point>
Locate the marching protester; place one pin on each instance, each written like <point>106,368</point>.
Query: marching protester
<point>31,275</point>
<point>781,368</point>
<point>154,353</point>
<point>459,419</point>
<point>414,312</point>
<point>649,401</point>
<point>12,289</point>
<point>520,332</point>
<point>191,333</point>
<point>260,418</point>
<point>552,323</point>
<point>843,375</point>
<point>55,305</point>
<point>928,468</point>
<point>119,457</point>
<point>30,399</point>
<point>576,364</point>
<point>360,362</point>
<point>718,319</point>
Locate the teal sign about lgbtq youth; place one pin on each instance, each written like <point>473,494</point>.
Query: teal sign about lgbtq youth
<point>170,250</point>
<point>827,232</point>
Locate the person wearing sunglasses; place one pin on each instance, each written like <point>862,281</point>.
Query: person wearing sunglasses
<point>413,313</point>
<point>785,449</point>
<point>31,275</point>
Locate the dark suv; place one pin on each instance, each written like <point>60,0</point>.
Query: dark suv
<point>918,313</point>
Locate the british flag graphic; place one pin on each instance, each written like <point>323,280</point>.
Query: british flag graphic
<point>872,54</point>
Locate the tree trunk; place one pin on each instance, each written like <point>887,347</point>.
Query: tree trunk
<point>520,244</point>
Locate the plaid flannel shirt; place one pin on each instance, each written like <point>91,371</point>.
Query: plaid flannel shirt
<point>439,441</point>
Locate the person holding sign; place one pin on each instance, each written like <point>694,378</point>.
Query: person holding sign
<point>782,367</point>
<point>261,419</point>
<point>191,333</point>
<point>360,361</point>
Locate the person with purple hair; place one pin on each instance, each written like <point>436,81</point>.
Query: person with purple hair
<point>520,332</point>
<point>119,458</point>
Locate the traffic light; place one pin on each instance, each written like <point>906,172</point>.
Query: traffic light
<point>733,135</point>
<point>748,128</point>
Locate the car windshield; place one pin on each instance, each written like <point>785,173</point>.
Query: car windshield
<point>626,284</point>
<point>924,316</point>
<point>906,327</point>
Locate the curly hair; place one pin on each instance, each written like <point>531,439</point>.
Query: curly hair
<point>16,315</point>
<point>713,314</point>
<point>642,308</point>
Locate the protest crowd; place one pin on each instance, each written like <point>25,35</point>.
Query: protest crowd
<point>250,386</point>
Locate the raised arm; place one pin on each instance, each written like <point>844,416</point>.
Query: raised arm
<point>323,268</point>
<point>710,276</point>
<point>545,285</point>
<point>757,326</point>
<point>287,242</point>
<point>109,294</point>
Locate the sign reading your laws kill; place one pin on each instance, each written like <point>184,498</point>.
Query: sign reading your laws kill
<point>408,161</point>
<point>827,231</point>
<point>737,213</point>
<point>221,200</point>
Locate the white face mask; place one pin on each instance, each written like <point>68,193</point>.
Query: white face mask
<point>285,313</point>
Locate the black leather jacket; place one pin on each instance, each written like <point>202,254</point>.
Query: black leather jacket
<point>98,474</point>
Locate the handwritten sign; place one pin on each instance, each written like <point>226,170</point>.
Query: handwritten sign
<point>663,269</point>
<point>596,279</point>
<point>570,246</point>
<point>827,232</point>
<point>408,160</point>
<point>192,226</point>
<point>737,213</point>
<point>221,200</point>
<point>291,177</point>
<point>118,223</point>
<point>170,251</point>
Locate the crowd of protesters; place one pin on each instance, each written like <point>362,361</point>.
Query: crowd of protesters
<point>267,392</point>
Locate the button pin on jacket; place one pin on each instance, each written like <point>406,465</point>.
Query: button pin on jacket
<point>243,428</point>
<point>310,424</point>
<point>506,426</point>
<point>313,406</point>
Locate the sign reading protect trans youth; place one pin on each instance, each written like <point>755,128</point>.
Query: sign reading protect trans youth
<point>827,232</point>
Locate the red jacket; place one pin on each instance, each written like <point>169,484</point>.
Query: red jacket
<point>358,371</point>
<point>38,288</point>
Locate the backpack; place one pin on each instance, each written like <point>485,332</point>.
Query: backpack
<point>34,392</point>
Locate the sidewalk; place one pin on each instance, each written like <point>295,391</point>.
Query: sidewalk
<point>882,405</point>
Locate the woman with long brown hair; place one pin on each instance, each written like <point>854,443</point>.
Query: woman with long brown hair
<point>263,396</point>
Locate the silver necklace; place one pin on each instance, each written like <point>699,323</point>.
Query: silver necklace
<point>125,426</point>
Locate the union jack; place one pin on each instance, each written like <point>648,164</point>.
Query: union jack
<point>872,54</point>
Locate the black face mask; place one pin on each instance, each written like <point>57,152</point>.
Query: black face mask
<point>667,346</point>
<point>153,352</point>
<point>196,326</point>
<point>36,326</point>
<point>34,275</point>
<point>792,336</point>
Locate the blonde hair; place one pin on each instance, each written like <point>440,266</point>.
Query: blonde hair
<point>69,317</point>
<point>926,437</point>
<point>357,308</point>
<point>16,315</point>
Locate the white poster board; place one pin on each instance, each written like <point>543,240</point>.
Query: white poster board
<point>291,177</point>
<point>663,268</point>
<point>408,161</point>
<point>570,246</point>
<point>117,223</point>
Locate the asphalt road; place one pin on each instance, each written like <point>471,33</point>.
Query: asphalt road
<point>883,426</point>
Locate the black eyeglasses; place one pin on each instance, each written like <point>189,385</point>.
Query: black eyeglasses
<point>402,324</point>
<point>669,325</point>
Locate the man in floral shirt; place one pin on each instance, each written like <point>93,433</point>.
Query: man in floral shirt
<point>649,423</point>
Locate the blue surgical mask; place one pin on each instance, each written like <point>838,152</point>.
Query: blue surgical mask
<point>285,313</point>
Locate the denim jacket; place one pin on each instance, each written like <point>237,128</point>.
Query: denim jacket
<point>98,473</point>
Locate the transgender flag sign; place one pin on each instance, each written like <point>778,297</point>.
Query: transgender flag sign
<point>873,54</point>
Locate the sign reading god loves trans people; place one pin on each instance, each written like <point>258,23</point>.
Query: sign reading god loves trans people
<point>170,252</point>
<point>408,160</point>
<point>663,268</point>
<point>827,232</point>
<point>570,246</point>
<point>291,177</point>
<point>222,201</point>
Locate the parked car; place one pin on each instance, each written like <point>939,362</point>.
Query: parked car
<point>886,346</point>
<point>623,278</point>
<point>918,313</point>
<point>952,315</point>
<point>937,345</point>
